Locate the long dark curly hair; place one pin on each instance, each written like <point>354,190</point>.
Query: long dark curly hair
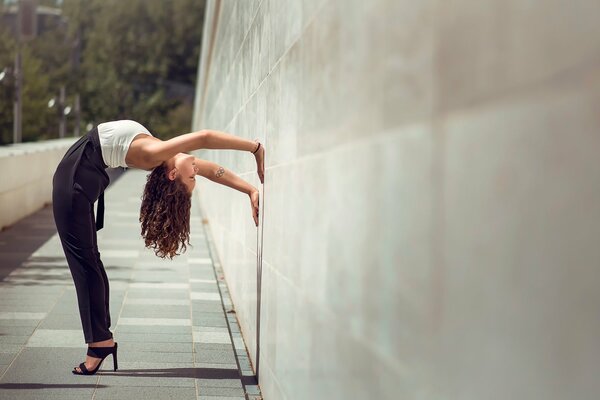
<point>165,213</point>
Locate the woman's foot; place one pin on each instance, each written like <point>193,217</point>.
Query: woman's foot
<point>92,362</point>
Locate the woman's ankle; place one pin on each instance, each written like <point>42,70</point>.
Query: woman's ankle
<point>106,342</point>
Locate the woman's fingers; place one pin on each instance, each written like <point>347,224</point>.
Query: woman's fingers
<point>254,202</point>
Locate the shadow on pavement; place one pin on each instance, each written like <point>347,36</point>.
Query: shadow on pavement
<point>20,240</point>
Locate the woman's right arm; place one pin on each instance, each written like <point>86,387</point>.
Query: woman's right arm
<point>157,151</point>
<point>162,150</point>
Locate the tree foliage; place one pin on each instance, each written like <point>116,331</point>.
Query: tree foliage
<point>119,55</point>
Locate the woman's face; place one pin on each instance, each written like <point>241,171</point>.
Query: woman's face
<point>183,167</point>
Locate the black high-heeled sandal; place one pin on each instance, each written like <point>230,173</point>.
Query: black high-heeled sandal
<point>98,352</point>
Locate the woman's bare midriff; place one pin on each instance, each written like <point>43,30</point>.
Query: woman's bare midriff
<point>135,154</point>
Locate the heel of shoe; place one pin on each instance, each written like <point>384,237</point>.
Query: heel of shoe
<point>115,358</point>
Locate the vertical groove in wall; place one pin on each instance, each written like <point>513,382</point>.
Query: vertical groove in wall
<point>208,62</point>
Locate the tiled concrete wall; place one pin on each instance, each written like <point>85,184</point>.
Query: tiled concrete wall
<point>26,171</point>
<point>432,194</point>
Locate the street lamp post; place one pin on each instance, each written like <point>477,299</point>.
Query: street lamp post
<point>61,102</point>
<point>17,108</point>
<point>61,110</point>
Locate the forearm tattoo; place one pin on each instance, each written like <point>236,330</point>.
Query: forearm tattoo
<point>220,172</point>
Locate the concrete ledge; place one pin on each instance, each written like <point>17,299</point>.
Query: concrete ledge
<point>27,170</point>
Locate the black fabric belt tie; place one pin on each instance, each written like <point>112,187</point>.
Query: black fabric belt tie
<point>100,212</point>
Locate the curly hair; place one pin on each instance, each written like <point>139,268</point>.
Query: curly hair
<point>165,213</point>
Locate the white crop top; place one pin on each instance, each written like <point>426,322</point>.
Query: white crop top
<point>115,138</point>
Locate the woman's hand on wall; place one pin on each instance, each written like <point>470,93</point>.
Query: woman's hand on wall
<point>260,162</point>
<point>254,203</point>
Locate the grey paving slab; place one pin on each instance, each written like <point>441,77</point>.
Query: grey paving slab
<point>222,383</point>
<point>9,322</point>
<point>146,379</point>
<point>215,356</point>
<point>11,391</point>
<point>6,358</point>
<point>148,393</point>
<point>202,397</point>
<point>154,329</point>
<point>175,336</point>
<point>220,391</point>
<point>202,307</point>
<point>46,365</point>
<point>155,337</point>
<point>13,339</point>
<point>200,347</point>
<point>133,355</point>
<point>160,347</point>
<point>155,311</point>
<point>16,330</point>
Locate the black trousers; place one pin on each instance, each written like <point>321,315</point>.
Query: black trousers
<point>80,180</point>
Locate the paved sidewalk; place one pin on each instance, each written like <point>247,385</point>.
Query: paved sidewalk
<point>178,335</point>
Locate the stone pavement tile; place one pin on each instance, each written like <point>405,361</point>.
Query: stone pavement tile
<point>199,319</point>
<point>147,393</point>
<point>13,339</point>
<point>162,278</point>
<point>160,286</point>
<point>154,337</point>
<point>17,330</point>
<point>19,322</point>
<point>62,321</point>
<point>220,391</point>
<point>201,397</point>
<point>126,355</point>
<point>223,366</point>
<point>198,347</point>
<point>25,300</point>
<point>28,391</point>
<point>196,275</point>
<point>32,308</point>
<point>155,329</point>
<point>178,369</point>
<point>201,260</point>
<point>10,291</point>
<point>156,346</point>
<point>154,311</point>
<point>204,287</point>
<point>211,337</point>
<point>11,348</point>
<point>252,389</point>
<point>204,307</point>
<point>151,301</point>
<point>123,377</point>
<point>22,315</point>
<point>199,295</point>
<point>57,338</point>
<point>48,366</point>
<point>215,356</point>
<point>155,321</point>
<point>6,358</point>
<point>223,383</point>
<point>209,329</point>
<point>158,293</point>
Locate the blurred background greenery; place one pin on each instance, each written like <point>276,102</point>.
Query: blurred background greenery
<point>133,59</point>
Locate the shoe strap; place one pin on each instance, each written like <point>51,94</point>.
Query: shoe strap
<point>99,352</point>
<point>83,368</point>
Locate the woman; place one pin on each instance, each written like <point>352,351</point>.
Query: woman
<point>80,180</point>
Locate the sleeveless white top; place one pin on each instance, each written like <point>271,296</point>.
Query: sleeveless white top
<point>115,138</point>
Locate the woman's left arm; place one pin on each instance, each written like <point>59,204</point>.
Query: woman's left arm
<point>219,174</point>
